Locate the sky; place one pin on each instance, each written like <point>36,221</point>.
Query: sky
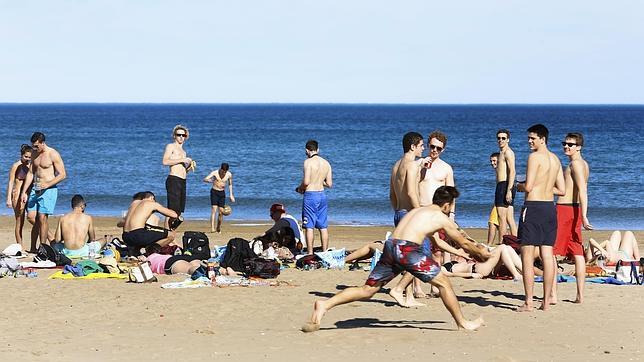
<point>300,51</point>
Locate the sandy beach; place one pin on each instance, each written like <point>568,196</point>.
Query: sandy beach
<point>56,320</point>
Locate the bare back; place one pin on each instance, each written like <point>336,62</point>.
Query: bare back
<point>404,184</point>
<point>318,172</point>
<point>572,189</point>
<point>543,169</point>
<point>140,212</point>
<point>420,223</point>
<point>75,229</point>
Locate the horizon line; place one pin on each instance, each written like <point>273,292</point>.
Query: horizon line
<point>323,103</point>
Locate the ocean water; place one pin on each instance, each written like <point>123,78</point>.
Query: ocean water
<point>112,151</point>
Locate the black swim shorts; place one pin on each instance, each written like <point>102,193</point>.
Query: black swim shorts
<point>217,198</point>
<point>499,194</point>
<point>167,267</point>
<point>538,223</point>
<point>140,238</point>
<point>176,190</point>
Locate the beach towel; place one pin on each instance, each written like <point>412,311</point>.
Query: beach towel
<point>605,280</point>
<point>59,275</point>
<point>188,284</point>
<point>332,259</point>
<point>217,254</point>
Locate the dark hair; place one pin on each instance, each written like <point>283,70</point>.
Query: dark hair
<point>495,154</point>
<point>225,166</point>
<point>77,201</point>
<point>137,196</point>
<point>153,248</point>
<point>24,148</point>
<point>503,130</point>
<point>578,137</point>
<point>147,194</point>
<point>540,130</point>
<point>439,136</point>
<point>445,195</point>
<point>411,139</point>
<point>312,145</point>
<point>38,136</point>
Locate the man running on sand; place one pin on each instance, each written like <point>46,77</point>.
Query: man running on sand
<point>409,250</point>
<point>46,171</point>
<point>317,176</point>
<point>538,220</point>
<point>572,212</point>
<point>174,156</point>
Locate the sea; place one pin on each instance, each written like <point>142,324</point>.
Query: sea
<point>111,151</point>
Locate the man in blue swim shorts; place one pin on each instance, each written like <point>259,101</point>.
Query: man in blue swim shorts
<point>408,250</point>
<point>317,176</point>
<point>46,171</point>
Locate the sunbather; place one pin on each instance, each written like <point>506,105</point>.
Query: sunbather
<point>618,247</point>
<point>500,255</point>
<point>174,264</point>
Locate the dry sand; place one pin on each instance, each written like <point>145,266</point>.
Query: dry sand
<point>55,320</point>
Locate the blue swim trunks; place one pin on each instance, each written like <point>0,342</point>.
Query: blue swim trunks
<point>398,215</point>
<point>93,246</point>
<point>402,255</point>
<point>314,210</point>
<point>43,201</point>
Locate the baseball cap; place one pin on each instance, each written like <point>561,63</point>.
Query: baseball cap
<point>278,207</point>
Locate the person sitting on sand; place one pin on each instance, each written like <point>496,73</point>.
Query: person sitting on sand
<point>17,176</point>
<point>135,233</point>
<point>285,232</point>
<point>618,247</point>
<point>500,255</point>
<point>75,229</point>
<point>409,250</point>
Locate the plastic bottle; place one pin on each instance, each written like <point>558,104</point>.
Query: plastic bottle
<point>211,271</point>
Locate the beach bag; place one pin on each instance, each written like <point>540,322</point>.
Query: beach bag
<point>332,259</point>
<point>141,273</point>
<point>308,262</point>
<point>237,250</point>
<point>262,268</point>
<point>513,242</point>
<point>46,252</point>
<point>196,243</point>
<point>627,271</point>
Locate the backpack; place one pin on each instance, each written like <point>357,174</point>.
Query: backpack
<point>46,252</point>
<point>309,262</point>
<point>260,267</point>
<point>237,250</point>
<point>196,244</point>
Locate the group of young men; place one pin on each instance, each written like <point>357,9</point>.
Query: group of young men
<point>542,224</point>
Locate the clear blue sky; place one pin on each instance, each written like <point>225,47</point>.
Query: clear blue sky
<point>322,51</point>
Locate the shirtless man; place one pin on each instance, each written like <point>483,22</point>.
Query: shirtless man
<point>219,179</point>
<point>435,172</point>
<point>153,220</point>
<point>505,190</point>
<point>317,176</point>
<point>136,234</point>
<point>538,221</point>
<point>408,250</point>
<point>46,171</point>
<point>175,157</point>
<point>403,184</point>
<point>572,211</point>
<point>76,231</point>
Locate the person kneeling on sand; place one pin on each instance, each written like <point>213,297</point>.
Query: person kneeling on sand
<point>409,250</point>
<point>286,232</point>
<point>75,228</point>
<point>137,235</point>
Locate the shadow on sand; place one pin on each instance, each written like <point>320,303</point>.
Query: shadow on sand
<point>377,323</point>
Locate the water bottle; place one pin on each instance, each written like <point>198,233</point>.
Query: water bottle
<point>211,271</point>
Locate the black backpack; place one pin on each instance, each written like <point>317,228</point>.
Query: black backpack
<point>263,268</point>
<point>46,252</point>
<point>197,244</point>
<point>237,250</point>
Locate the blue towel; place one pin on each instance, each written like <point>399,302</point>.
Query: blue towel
<point>76,270</point>
<point>605,280</point>
<point>560,279</point>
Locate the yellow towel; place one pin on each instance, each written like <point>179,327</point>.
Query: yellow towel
<point>59,275</point>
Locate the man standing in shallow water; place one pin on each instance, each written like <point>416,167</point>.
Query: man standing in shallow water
<point>538,220</point>
<point>46,171</point>
<point>317,176</point>
<point>175,157</point>
<point>572,212</point>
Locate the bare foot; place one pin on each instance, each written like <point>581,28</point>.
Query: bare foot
<point>524,308</point>
<point>472,325</point>
<point>579,300</point>
<point>413,303</point>
<point>420,294</point>
<point>319,310</point>
<point>398,297</point>
<point>545,306</point>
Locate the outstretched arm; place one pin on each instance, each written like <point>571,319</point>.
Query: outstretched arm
<point>208,179</point>
<point>165,211</point>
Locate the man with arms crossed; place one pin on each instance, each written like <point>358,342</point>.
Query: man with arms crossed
<point>76,231</point>
<point>46,171</point>
<point>175,157</point>
<point>408,250</point>
<point>505,190</point>
<point>136,234</point>
<point>572,212</point>
<point>538,221</point>
<point>317,176</point>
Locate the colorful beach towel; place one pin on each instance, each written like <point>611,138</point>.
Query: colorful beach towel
<point>188,283</point>
<point>59,275</point>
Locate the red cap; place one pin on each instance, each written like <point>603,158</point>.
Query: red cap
<point>278,207</point>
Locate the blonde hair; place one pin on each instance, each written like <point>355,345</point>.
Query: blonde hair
<point>178,127</point>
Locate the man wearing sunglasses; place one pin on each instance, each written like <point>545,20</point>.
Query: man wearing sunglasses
<point>505,190</point>
<point>175,158</point>
<point>572,211</point>
<point>435,172</point>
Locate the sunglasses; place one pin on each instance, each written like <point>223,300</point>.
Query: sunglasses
<point>501,138</point>
<point>568,144</point>
<point>437,148</point>
<point>180,135</point>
